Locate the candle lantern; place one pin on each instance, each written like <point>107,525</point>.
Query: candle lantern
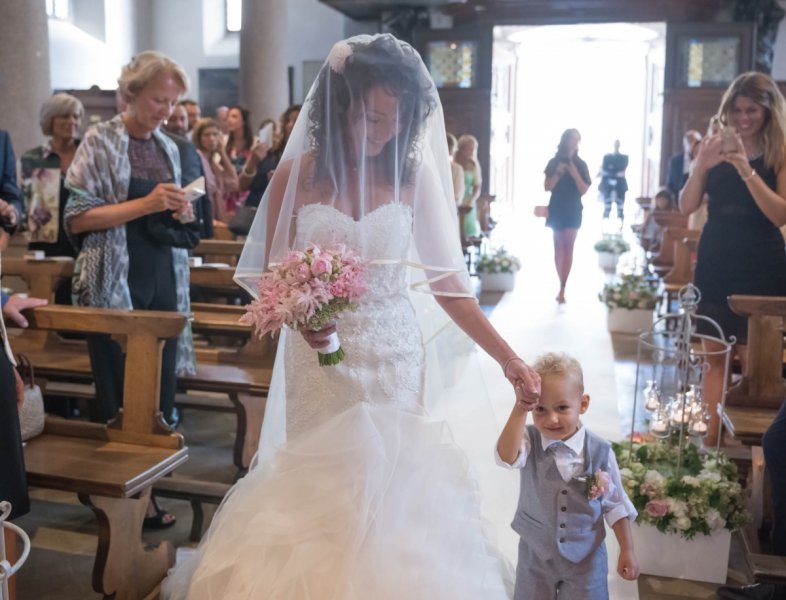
<point>672,362</point>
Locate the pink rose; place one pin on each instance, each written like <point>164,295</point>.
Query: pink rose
<point>321,266</point>
<point>657,508</point>
<point>302,272</point>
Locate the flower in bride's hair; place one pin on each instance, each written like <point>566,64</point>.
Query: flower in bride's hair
<point>338,56</point>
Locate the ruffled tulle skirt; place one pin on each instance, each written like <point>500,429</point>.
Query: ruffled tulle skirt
<point>375,503</point>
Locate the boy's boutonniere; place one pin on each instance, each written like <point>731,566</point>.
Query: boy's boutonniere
<point>597,484</point>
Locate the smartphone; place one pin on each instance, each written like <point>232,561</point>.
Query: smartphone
<point>266,134</point>
<point>195,190</point>
<point>728,140</point>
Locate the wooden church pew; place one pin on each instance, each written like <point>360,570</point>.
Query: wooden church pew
<point>112,467</point>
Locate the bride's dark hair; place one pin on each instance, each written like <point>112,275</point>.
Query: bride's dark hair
<point>396,68</point>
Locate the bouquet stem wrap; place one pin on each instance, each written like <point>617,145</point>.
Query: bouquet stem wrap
<point>333,354</point>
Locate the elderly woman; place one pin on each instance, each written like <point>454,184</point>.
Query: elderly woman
<point>128,215</point>
<point>43,172</point>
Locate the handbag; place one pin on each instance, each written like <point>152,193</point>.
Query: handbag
<point>542,211</point>
<point>31,414</point>
<point>240,224</point>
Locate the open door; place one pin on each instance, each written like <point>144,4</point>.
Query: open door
<point>503,102</point>
<point>702,59</point>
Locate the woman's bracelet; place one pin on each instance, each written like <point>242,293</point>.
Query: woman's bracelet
<point>507,362</point>
<point>751,176</point>
<point>247,174</point>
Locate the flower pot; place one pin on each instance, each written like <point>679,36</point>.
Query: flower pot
<point>497,282</point>
<point>703,558</point>
<point>629,320</point>
<point>608,261</point>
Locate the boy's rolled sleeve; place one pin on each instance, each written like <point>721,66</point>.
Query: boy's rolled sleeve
<point>615,504</point>
<point>521,460</point>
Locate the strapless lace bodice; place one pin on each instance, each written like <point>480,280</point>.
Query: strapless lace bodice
<point>382,340</point>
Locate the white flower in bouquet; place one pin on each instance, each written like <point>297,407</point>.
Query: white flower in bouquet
<point>714,519</point>
<point>690,480</point>
<point>682,523</point>
<point>678,508</point>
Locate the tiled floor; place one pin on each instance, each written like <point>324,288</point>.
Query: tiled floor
<point>63,531</point>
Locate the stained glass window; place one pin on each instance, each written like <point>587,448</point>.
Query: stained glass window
<point>709,61</point>
<point>453,64</point>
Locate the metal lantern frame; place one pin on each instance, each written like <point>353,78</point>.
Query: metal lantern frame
<point>6,568</point>
<point>676,369</point>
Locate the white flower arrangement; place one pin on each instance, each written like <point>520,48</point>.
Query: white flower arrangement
<point>702,497</point>
<point>631,291</point>
<point>498,262</point>
<point>612,243</point>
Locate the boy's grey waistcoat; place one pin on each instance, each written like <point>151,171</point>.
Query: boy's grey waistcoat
<point>555,517</point>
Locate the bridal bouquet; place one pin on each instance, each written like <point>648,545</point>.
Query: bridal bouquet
<point>308,290</point>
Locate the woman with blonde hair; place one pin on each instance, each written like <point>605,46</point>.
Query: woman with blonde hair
<point>220,175</point>
<point>467,159</point>
<point>131,221</point>
<point>742,171</point>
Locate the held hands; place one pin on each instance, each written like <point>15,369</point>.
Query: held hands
<point>627,565</point>
<point>318,339</point>
<point>16,304</point>
<point>526,382</point>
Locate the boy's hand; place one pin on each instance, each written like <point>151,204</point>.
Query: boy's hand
<point>628,566</point>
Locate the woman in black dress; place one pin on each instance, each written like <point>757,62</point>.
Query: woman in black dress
<point>741,249</point>
<point>568,179</point>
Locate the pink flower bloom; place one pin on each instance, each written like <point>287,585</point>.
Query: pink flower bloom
<point>657,508</point>
<point>321,266</point>
<point>597,484</point>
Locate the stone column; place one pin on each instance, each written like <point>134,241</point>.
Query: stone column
<point>264,83</point>
<point>24,71</point>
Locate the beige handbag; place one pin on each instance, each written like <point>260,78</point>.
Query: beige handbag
<point>31,414</point>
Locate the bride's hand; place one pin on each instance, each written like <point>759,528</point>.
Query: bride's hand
<point>318,339</point>
<point>526,383</point>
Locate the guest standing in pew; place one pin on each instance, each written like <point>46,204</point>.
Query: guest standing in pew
<point>129,218</point>
<point>680,164</point>
<point>238,146</point>
<point>220,175</point>
<point>13,483</point>
<point>568,179</point>
<point>43,171</point>
<point>467,157</point>
<point>263,160</point>
<point>741,250</point>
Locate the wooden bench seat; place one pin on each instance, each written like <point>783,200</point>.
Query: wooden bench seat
<point>748,423</point>
<point>113,467</point>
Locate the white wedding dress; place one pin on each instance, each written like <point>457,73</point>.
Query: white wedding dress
<point>369,498</point>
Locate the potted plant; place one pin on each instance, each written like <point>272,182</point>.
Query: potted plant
<point>609,248</point>
<point>686,514</point>
<point>631,301</point>
<point>497,271</point>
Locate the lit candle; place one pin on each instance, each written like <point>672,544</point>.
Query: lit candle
<point>699,427</point>
<point>658,427</point>
<point>681,417</point>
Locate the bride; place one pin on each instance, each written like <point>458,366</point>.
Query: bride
<point>357,493</point>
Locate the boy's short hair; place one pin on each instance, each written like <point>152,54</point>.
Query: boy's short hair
<point>559,363</point>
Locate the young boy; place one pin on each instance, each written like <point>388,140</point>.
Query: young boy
<point>570,481</point>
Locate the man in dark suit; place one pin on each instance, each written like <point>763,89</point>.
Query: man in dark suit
<point>679,165</point>
<point>9,191</point>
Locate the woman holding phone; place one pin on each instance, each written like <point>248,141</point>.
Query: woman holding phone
<point>742,171</point>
